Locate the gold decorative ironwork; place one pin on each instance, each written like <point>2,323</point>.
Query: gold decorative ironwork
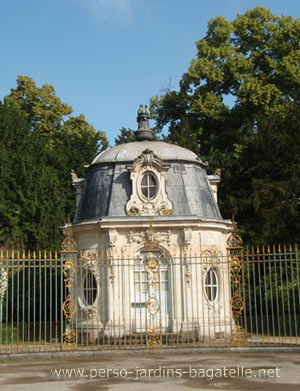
<point>153,341</point>
<point>69,308</point>
<point>234,241</point>
<point>235,248</point>
<point>69,244</point>
<point>239,336</point>
<point>152,268</point>
<point>153,305</point>
<point>69,339</point>
<point>69,250</point>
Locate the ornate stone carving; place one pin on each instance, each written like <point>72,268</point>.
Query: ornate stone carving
<point>187,236</point>
<point>112,237</point>
<point>136,237</point>
<point>162,237</point>
<point>159,204</point>
<point>89,260</point>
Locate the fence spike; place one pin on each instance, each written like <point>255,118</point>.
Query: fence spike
<point>34,255</point>
<point>55,255</point>
<point>290,248</point>
<point>13,254</point>
<point>284,248</point>
<point>269,251</point>
<point>1,255</point>
<point>29,254</point>
<point>279,249</point>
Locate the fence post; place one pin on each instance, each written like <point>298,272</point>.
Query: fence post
<point>69,258</point>
<point>235,253</point>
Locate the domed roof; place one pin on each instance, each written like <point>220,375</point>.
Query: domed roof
<point>117,179</point>
<point>130,151</point>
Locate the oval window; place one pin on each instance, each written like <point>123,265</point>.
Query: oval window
<point>89,288</point>
<point>149,185</point>
<point>211,285</point>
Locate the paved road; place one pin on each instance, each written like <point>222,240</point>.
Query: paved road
<point>153,371</point>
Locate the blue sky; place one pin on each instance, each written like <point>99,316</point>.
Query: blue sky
<point>105,57</point>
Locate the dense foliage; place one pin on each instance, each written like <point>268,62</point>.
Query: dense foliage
<point>238,108</point>
<point>40,142</point>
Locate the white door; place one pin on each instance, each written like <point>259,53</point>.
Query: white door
<point>150,301</point>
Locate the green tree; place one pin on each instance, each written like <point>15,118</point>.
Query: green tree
<point>238,103</point>
<point>40,142</point>
<point>126,136</point>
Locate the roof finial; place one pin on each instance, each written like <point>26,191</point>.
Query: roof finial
<point>144,133</point>
<point>143,110</point>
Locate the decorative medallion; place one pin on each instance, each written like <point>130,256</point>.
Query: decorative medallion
<point>153,305</point>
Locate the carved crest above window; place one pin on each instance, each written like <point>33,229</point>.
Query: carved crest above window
<point>148,176</point>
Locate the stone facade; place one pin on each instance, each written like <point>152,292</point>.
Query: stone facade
<point>143,193</point>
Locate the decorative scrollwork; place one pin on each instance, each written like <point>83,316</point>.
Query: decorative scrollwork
<point>153,340</point>
<point>237,304</point>
<point>69,244</point>
<point>153,305</point>
<point>239,335</point>
<point>235,270</point>
<point>69,339</point>
<point>69,308</point>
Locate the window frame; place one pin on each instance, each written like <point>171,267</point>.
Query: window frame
<point>86,291</point>
<point>209,287</point>
<point>140,186</point>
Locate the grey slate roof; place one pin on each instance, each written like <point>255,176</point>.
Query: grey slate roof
<point>108,186</point>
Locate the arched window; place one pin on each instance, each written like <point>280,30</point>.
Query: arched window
<point>149,185</point>
<point>211,285</point>
<point>89,288</point>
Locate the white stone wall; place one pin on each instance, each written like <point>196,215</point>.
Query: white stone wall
<point>193,247</point>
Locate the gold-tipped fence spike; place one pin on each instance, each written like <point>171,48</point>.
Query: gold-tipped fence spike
<point>1,255</point>
<point>263,251</point>
<point>274,249</point>
<point>23,254</point>
<point>45,254</point>
<point>50,254</point>
<point>269,251</point>
<point>29,254</point>
<point>284,248</point>
<point>55,255</point>
<point>290,248</point>
<point>257,250</point>
<point>40,255</point>
<point>34,255</point>
<point>13,254</point>
<point>18,254</point>
<point>279,249</point>
<point>7,254</point>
